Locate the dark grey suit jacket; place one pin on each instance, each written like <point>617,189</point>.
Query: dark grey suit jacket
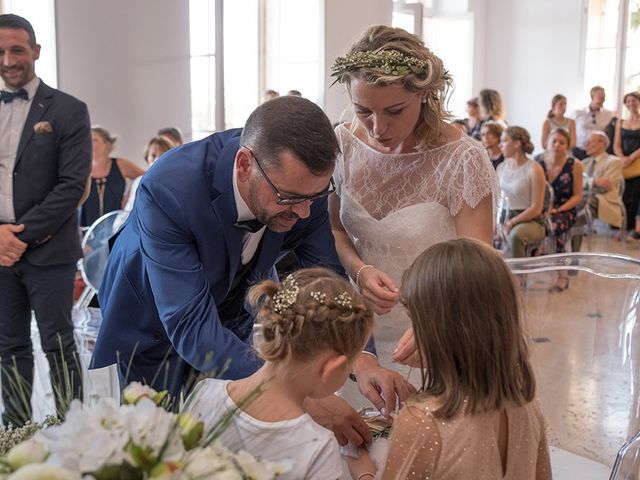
<point>50,175</point>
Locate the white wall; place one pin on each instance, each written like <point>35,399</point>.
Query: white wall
<point>531,50</point>
<point>345,21</point>
<point>129,61</point>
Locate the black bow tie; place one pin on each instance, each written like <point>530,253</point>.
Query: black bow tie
<point>250,225</point>
<point>7,97</point>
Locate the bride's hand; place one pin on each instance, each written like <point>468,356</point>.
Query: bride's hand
<point>378,288</point>
<point>406,351</point>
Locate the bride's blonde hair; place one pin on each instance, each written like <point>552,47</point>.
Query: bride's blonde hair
<point>423,73</point>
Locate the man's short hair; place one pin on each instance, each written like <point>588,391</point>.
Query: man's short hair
<point>9,20</point>
<point>602,135</point>
<point>595,89</point>
<point>295,125</point>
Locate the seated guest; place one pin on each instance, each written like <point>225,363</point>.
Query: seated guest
<point>522,181</point>
<point>474,122</point>
<point>602,181</point>
<point>156,147</point>
<point>556,119</point>
<point>270,95</point>
<point>490,135</point>
<point>564,173</point>
<point>592,117</point>
<point>295,93</point>
<point>173,134</point>
<point>110,179</point>
<point>312,327</point>
<point>626,146</point>
<point>461,125</point>
<point>491,107</point>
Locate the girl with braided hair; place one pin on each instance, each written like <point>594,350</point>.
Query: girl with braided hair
<point>311,328</point>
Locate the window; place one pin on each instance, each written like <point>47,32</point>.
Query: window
<point>294,46</point>
<point>240,48</point>
<point>437,29</point>
<point>41,14</point>
<point>612,47</point>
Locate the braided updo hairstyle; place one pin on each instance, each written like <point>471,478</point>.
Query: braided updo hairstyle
<point>326,314</point>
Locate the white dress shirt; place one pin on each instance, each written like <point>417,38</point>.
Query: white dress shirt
<point>588,121</point>
<point>250,241</point>
<point>13,116</point>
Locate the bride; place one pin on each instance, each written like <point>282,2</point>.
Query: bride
<point>405,180</point>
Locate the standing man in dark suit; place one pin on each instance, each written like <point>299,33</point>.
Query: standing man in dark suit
<point>45,160</point>
<point>211,218</point>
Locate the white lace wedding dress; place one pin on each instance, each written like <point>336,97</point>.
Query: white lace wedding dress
<point>394,206</point>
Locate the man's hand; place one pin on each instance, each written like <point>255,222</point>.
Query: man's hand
<point>626,161</point>
<point>603,182</point>
<point>11,248</point>
<point>337,415</point>
<point>383,387</point>
<point>406,352</point>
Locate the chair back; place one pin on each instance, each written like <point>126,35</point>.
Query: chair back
<point>627,464</point>
<point>96,249</point>
<point>585,348</point>
<point>502,215</point>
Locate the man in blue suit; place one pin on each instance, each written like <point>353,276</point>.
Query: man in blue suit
<point>45,161</point>
<point>211,218</point>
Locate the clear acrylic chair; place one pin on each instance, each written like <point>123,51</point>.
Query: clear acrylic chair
<point>95,247</point>
<point>585,352</point>
<point>627,464</point>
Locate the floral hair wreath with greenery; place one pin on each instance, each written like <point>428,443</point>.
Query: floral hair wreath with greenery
<point>383,62</point>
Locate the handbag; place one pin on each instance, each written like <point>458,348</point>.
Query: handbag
<point>632,171</point>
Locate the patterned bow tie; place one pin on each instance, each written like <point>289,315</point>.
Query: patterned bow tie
<point>8,97</point>
<point>250,225</point>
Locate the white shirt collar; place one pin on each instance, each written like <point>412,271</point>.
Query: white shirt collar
<point>31,87</point>
<point>241,206</point>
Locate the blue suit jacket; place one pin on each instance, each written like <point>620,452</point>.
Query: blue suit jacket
<point>177,255</point>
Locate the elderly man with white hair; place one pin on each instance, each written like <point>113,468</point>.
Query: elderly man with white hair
<point>602,179</point>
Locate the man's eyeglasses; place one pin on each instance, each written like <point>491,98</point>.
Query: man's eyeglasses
<point>293,200</point>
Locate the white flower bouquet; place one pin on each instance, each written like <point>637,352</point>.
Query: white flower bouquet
<point>136,441</point>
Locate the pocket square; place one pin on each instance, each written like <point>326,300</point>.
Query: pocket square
<point>43,127</point>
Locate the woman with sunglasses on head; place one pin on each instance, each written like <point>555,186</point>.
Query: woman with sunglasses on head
<point>406,179</point>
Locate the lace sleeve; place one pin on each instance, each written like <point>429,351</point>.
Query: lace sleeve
<point>415,446</point>
<point>472,179</point>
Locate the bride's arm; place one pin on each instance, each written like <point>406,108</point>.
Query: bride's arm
<point>476,222</point>
<point>376,286</point>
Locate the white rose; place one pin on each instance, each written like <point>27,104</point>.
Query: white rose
<point>135,391</point>
<point>203,463</point>
<point>42,471</point>
<point>30,451</point>
<point>259,470</point>
<point>90,437</point>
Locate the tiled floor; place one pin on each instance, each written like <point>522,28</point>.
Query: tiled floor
<point>586,353</point>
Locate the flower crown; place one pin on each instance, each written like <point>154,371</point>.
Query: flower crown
<point>383,62</point>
